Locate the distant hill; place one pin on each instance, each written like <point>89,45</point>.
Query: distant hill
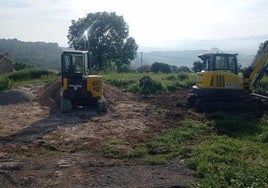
<point>184,52</point>
<point>181,58</point>
<point>39,54</point>
<point>177,52</point>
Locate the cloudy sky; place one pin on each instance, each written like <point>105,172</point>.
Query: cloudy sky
<point>150,21</point>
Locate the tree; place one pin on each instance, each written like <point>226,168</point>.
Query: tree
<point>160,67</point>
<point>183,69</point>
<point>198,66</point>
<point>108,39</point>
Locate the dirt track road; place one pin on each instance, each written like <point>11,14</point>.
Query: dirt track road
<point>40,147</point>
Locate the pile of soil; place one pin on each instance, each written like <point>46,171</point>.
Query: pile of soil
<point>49,95</point>
<point>113,95</point>
<point>15,96</point>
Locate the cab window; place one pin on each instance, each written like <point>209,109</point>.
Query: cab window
<point>225,63</point>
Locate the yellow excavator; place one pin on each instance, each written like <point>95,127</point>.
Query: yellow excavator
<point>219,87</point>
<point>79,87</point>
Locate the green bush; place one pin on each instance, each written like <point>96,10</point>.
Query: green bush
<point>182,76</point>
<point>150,86</point>
<point>5,83</point>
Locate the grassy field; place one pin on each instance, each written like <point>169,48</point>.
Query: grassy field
<point>129,82</point>
<point>228,151</point>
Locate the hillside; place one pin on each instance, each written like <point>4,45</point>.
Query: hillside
<point>182,58</point>
<point>184,52</point>
<point>179,53</point>
<point>40,54</point>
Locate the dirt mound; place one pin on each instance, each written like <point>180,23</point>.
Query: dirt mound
<point>113,94</point>
<point>49,94</point>
<point>14,96</point>
<point>170,101</point>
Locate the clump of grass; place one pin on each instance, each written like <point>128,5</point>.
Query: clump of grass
<point>225,161</point>
<point>115,148</point>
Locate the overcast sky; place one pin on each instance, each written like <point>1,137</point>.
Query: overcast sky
<point>150,21</point>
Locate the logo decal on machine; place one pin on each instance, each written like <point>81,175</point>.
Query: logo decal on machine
<point>231,85</point>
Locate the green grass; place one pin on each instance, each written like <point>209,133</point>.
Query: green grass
<point>114,148</point>
<point>168,82</point>
<point>221,161</point>
<point>26,76</point>
<point>227,152</point>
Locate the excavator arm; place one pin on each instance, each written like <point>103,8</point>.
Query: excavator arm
<point>256,70</point>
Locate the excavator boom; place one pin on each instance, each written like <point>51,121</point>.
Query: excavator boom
<point>256,70</point>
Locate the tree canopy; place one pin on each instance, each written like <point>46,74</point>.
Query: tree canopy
<point>197,66</point>
<point>108,38</point>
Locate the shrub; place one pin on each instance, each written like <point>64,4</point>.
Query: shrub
<point>5,83</point>
<point>150,86</point>
<point>182,76</point>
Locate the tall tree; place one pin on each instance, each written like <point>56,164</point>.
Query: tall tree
<point>108,38</point>
<point>197,66</point>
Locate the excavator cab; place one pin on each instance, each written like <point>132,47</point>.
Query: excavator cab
<point>74,63</point>
<point>219,62</point>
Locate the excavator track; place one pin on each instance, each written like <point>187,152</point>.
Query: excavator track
<point>247,103</point>
<point>101,104</point>
<point>65,104</point>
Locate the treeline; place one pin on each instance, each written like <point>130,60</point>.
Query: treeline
<point>37,54</point>
<point>159,67</point>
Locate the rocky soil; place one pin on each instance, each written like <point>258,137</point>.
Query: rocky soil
<point>40,147</point>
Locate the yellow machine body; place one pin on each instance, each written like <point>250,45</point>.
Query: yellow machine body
<point>94,85</point>
<point>218,80</point>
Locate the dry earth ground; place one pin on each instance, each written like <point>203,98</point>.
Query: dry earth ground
<point>40,147</point>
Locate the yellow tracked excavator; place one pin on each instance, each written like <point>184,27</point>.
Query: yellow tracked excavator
<point>79,87</point>
<point>220,88</point>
